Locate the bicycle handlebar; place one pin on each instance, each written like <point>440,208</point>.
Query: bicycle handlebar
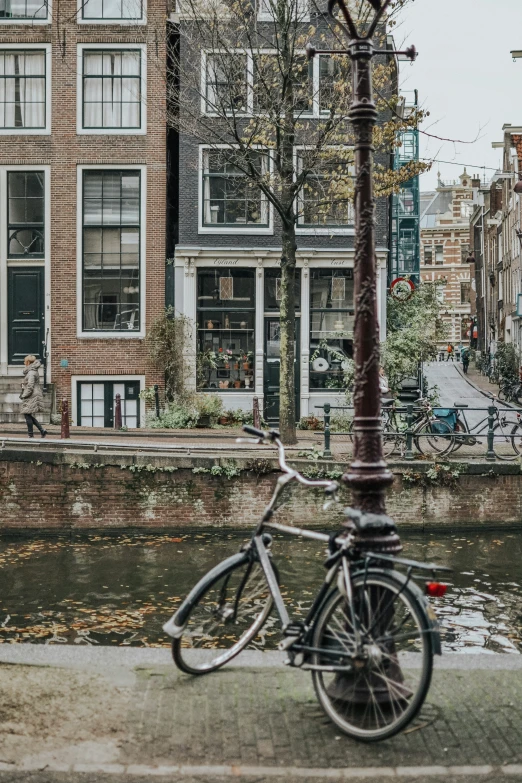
<point>273,436</point>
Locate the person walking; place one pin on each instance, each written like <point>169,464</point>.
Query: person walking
<point>449,349</point>
<point>465,360</point>
<point>31,395</point>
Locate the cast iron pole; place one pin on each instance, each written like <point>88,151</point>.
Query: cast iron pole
<point>368,475</point>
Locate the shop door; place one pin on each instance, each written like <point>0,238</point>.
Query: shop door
<point>272,369</point>
<point>25,313</point>
<point>97,402</point>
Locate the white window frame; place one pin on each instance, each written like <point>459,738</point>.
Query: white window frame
<point>30,20</point>
<point>134,21</point>
<point>324,230</point>
<point>101,379</point>
<point>112,334</point>
<point>267,230</point>
<point>111,47</point>
<point>22,47</point>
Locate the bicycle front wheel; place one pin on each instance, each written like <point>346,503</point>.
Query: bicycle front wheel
<point>436,436</point>
<point>383,686</point>
<point>224,617</point>
<point>507,441</point>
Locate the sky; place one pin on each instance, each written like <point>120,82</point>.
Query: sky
<point>466,79</point>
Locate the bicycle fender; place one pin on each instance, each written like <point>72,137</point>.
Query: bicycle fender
<point>433,623</point>
<point>174,627</point>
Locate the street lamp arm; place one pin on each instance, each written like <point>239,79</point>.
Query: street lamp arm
<point>379,6</point>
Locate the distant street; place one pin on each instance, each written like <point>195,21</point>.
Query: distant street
<point>453,389</point>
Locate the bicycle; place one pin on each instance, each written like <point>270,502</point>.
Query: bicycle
<point>510,391</point>
<point>426,428</point>
<point>368,639</point>
<point>504,432</point>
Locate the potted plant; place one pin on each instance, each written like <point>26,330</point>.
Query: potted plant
<point>209,407</point>
<point>206,361</point>
<point>226,357</point>
<point>247,360</point>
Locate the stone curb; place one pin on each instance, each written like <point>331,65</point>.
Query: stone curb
<point>68,656</point>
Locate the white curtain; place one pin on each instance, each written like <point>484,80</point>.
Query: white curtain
<point>112,90</point>
<point>22,90</point>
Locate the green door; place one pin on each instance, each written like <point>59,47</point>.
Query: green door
<point>272,369</point>
<point>25,312</point>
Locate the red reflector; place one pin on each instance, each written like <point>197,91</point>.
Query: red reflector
<point>436,589</point>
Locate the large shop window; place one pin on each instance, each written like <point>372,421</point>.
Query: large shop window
<point>331,326</point>
<point>112,89</point>
<point>22,89</point>
<point>229,198</point>
<point>226,322</point>
<point>23,9</point>
<point>116,10</point>
<point>111,250</point>
<point>25,214</point>
<point>325,199</point>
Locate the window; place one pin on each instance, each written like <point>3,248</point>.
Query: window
<point>111,251</point>
<point>304,85</point>
<point>273,290</point>
<point>428,254</point>
<point>34,10</point>
<point>466,208</point>
<point>112,94</point>
<point>25,214</point>
<point>117,10</point>
<point>226,83</point>
<point>97,403</point>
<point>322,200</point>
<point>22,89</point>
<point>229,197</point>
<point>439,254</point>
<point>465,291</point>
<point>267,9</point>
<point>328,75</point>
<point>464,253</point>
<point>226,322</point>
<point>331,326</point>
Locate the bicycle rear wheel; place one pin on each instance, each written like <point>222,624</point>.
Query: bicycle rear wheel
<point>436,436</point>
<point>383,688</point>
<point>224,617</point>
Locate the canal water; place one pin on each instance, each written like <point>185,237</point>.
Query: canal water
<point>119,590</point>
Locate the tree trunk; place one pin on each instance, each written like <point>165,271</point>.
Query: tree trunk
<point>287,321</point>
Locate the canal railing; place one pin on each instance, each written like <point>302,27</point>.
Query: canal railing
<point>499,430</point>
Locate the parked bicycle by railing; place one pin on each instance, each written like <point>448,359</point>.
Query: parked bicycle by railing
<point>369,637</point>
<point>510,390</point>
<point>502,429</point>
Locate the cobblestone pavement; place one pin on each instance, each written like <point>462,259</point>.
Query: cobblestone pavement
<point>257,723</point>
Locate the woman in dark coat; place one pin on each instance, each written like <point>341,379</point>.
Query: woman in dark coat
<point>31,396</point>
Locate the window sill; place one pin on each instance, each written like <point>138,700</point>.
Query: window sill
<point>25,131</point>
<point>244,229</point>
<point>111,131</point>
<point>348,231</point>
<point>124,22</point>
<point>111,335</point>
<point>31,21</point>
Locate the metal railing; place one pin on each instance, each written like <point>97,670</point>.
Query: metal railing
<point>499,425</point>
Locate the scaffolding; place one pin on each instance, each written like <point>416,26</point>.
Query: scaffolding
<point>405,206</point>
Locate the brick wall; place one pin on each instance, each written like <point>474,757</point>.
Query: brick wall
<point>65,494</point>
<point>63,151</point>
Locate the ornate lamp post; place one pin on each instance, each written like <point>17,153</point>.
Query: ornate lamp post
<point>368,475</point>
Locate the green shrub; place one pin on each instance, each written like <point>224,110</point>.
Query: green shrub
<point>185,412</point>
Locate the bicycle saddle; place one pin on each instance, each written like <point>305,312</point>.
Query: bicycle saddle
<point>370,523</point>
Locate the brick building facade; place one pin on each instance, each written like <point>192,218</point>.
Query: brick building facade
<point>82,198</point>
<point>445,252</point>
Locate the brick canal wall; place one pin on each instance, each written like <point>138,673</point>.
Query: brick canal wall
<point>57,491</point>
